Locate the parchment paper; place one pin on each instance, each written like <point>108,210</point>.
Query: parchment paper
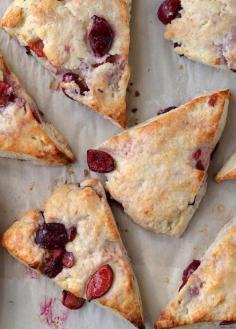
<point>163,79</point>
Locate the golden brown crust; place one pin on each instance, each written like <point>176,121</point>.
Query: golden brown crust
<point>162,150</point>
<point>23,133</point>
<point>62,27</point>
<point>21,233</point>
<point>97,242</point>
<point>209,294</point>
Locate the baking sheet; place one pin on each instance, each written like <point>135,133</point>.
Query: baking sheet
<point>163,79</point>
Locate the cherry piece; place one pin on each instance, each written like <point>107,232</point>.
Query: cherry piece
<point>213,99</point>
<point>113,59</point>
<point>52,266</point>
<point>100,161</point>
<point>200,166</point>
<point>189,271</point>
<point>6,93</point>
<point>169,10</point>
<point>71,233</point>
<point>197,154</point>
<point>37,47</point>
<point>69,77</point>
<point>51,236</point>
<point>71,301</point>
<point>100,36</point>
<point>166,110</point>
<point>100,282</point>
<point>68,259</point>
<point>193,291</point>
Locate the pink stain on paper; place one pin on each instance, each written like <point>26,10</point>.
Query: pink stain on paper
<point>30,273</point>
<point>53,314</point>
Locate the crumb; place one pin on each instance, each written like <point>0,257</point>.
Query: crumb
<point>11,302</point>
<point>32,186</point>
<point>131,84</point>
<point>54,85</point>
<point>134,110</point>
<point>128,90</point>
<point>137,93</point>
<point>204,230</point>
<point>125,230</point>
<point>86,173</point>
<point>70,170</point>
<point>181,67</point>
<point>167,280</point>
<point>149,70</point>
<point>220,208</point>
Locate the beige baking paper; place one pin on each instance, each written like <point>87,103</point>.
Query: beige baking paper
<point>163,79</point>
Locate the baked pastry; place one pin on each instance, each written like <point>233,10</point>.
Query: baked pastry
<point>24,134</point>
<point>75,242</point>
<point>203,31</point>
<point>83,44</point>
<point>207,293</point>
<point>158,170</point>
<point>228,171</point>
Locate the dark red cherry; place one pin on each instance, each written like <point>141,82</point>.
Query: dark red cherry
<point>69,77</point>
<point>71,301</point>
<point>166,110</point>
<point>213,100</point>
<point>71,233</point>
<point>6,93</point>
<point>68,259</point>
<point>169,10</point>
<point>226,323</point>
<point>189,271</point>
<point>100,36</point>
<point>100,161</point>
<point>52,266</point>
<point>51,236</point>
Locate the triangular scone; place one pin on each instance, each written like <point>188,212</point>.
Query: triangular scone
<point>95,243</point>
<point>160,167</point>
<point>204,31</point>
<point>23,132</point>
<point>228,171</point>
<point>84,44</point>
<point>209,294</point>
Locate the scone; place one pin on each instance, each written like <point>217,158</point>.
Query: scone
<point>75,242</point>
<point>228,171</point>
<point>24,134</point>
<point>204,31</point>
<point>84,44</point>
<point>158,170</point>
<point>208,292</point>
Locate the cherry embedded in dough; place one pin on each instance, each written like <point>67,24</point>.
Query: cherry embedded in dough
<point>71,233</point>
<point>51,266</point>
<point>100,161</point>
<point>189,271</point>
<point>100,282</point>
<point>73,77</point>
<point>37,47</point>
<point>68,259</point>
<point>6,93</point>
<point>169,10</point>
<point>100,36</point>
<point>51,236</point>
<point>213,100</point>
